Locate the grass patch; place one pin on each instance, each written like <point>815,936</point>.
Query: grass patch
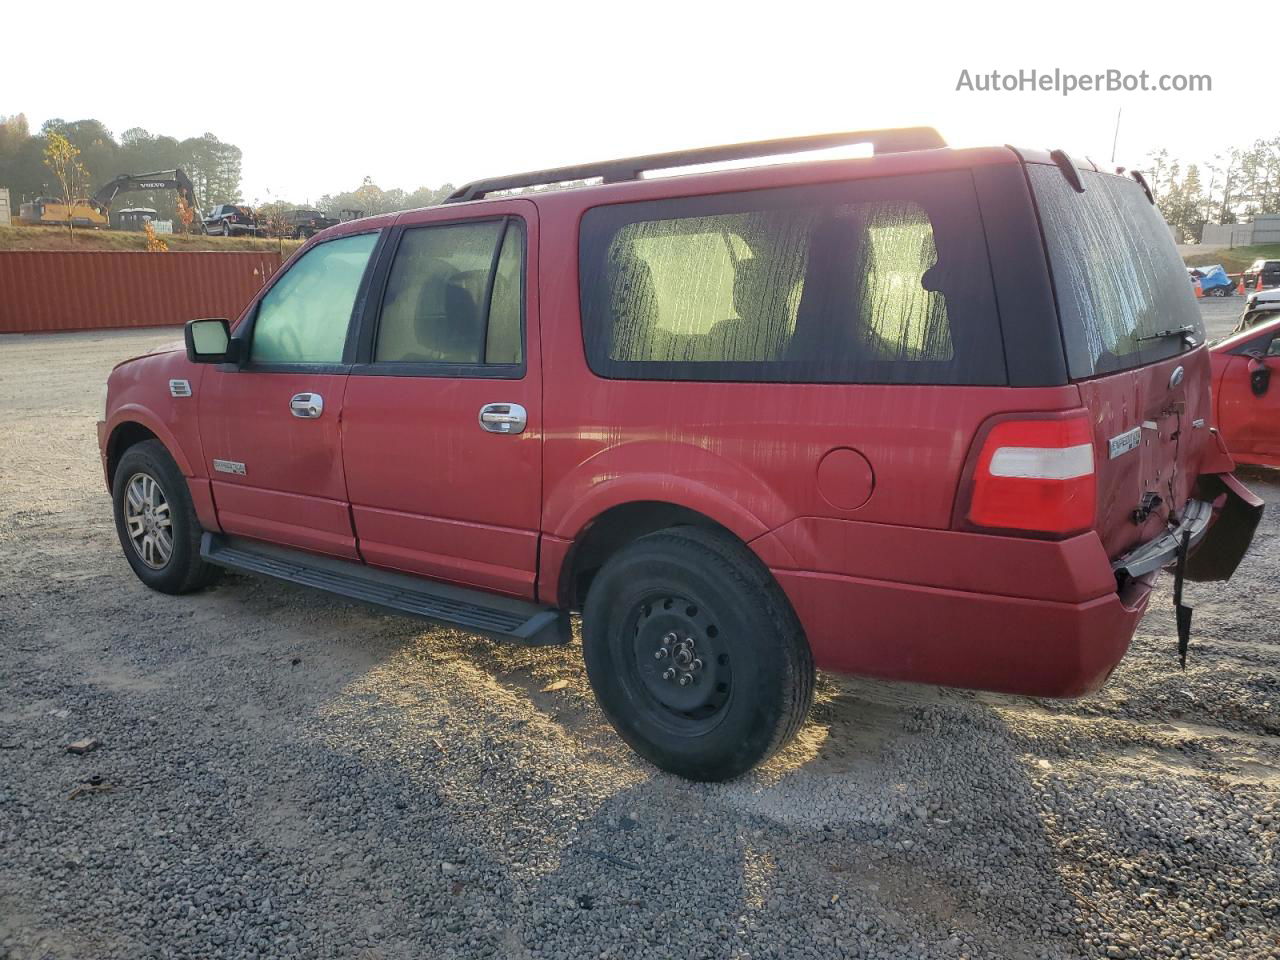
<point>25,237</point>
<point>1235,260</point>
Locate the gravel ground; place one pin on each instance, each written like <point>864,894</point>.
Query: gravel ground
<point>285,774</point>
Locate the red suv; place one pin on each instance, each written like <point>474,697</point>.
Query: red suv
<point>932,415</point>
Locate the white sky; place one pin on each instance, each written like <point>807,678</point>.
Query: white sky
<point>417,94</point>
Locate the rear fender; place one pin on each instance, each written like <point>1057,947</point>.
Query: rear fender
<point>694,478</point>
<point>1237,512</point>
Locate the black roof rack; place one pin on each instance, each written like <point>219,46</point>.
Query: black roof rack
<point>900,140</point>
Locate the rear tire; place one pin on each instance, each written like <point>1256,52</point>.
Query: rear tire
<point>156,521</point>
<point>695,655</point>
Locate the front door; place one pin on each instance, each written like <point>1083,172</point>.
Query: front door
<point>270,427</point>
<point>442,421</point>
<point>1249,405</point>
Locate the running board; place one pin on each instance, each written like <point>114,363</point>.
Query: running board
<point>475,610</point>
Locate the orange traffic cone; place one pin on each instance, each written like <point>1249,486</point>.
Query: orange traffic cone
<point>1240,286</point>
<point>1199,290</point>
<point>1258,285</point>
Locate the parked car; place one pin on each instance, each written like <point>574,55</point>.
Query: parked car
<point>305,223</point>
<point>1258,308</point>
<point>927,415</point>
<point>1268,270</point>
<point>1246,401</point>
<point>229,219</point>
<point>1214,281</point>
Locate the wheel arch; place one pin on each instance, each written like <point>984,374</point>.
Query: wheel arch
<point>132,426</point>
<point>618,526</point>
<point>128,434</point>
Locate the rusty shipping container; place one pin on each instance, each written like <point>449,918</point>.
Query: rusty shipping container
<point>44,291</point>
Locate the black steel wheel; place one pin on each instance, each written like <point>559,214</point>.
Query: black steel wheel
<point>695,655</point>
<point>681,663</point>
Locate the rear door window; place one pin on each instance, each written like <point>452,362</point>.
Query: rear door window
<point>872,281</point>
<point>1118,277</point>
<point>455,296</point>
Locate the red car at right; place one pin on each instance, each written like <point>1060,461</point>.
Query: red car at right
<point>1246,401</point>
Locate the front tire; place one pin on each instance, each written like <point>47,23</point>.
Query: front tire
<point>156,521</point>
<point>695,655</point>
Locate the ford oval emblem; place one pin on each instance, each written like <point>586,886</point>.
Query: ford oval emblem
<point>1175,378</point>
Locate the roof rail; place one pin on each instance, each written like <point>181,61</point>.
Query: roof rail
<point>900,140</point>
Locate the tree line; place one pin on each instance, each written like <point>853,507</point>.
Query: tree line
<point>212,164</point>
<point>1233,187</point>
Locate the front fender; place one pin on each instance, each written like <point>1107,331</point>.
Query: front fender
<point>136,413</point>
<point>139,392</point>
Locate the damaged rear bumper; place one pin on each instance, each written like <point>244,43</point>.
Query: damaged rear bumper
<point>1219,525</point>
<point>1163,550</point>
<point>1236,514</point>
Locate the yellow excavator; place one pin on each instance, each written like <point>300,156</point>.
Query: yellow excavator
<point>54,212</point>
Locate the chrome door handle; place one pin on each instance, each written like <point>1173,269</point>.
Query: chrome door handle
<point>503,418</point>
<point>306,405</point>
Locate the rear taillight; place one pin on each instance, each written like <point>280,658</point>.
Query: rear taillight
<point>1035,475</point>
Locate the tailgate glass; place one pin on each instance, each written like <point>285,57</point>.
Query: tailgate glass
<point>1117,275</point>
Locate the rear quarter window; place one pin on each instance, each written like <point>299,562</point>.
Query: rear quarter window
<point>882,280</point>
<point>1118,278</point>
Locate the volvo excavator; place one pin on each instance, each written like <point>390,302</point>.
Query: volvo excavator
<point>95,211</point>
<point>160,180</point>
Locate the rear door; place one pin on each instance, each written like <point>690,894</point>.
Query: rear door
<point>442,422</point>
<point>270,427</point>
<point>1134,343</point>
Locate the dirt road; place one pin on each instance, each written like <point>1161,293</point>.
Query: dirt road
<point>285,774</point>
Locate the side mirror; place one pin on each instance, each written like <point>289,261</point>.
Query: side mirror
<point>208,341</point>
<point>1259,375</point>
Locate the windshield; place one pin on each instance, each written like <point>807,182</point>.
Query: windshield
<point>1118,277</point>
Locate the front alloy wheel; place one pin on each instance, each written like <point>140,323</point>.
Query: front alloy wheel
<point>148,519</point>
<point>156,521</point>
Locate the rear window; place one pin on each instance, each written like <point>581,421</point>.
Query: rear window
<point>1117,275</point>
<point>869,281</point>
